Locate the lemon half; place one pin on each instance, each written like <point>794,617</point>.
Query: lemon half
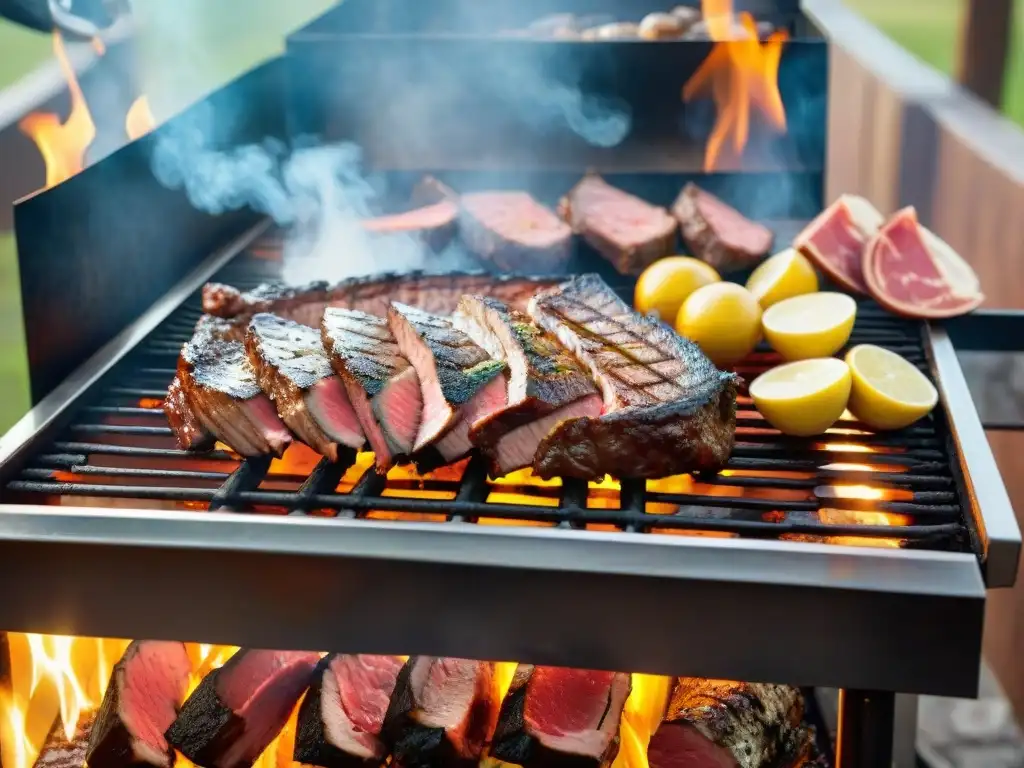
<point>784,275</point>
<point>663,287</point>
<point>803,398</point>
<point>815,325</point>
<point>888,392</point>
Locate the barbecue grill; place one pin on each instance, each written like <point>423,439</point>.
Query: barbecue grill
<point>855,561</point>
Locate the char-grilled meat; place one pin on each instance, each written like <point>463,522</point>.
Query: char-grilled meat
<point>381,385</point>
<point>546,384</point>
<point>294,372</point>
<point>717,233</point>
<point>554,717</point>
<point>629,232</point>
<point>514,232</point>
<point>146,690</point>
<point>442,713</point>
<point>437,293</point>
<point>713,723</point>
<point>341,717</point>
<point>238,709</point>
<point>215,387</point>
<point>460,382</point>
<point>667,409</point>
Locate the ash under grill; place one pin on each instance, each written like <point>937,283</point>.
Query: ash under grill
<point>848,487</point>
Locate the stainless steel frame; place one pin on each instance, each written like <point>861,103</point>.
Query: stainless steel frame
<point>806,614</point>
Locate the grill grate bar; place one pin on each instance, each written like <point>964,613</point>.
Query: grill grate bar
<point>474,487</point>
<point>325,477</point>
<point>45,473</point>
<point>247,477</point>
<point>370,485</point>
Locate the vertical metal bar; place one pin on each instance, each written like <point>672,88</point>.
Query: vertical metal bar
<point>865,733</point>
<point>904,750</point>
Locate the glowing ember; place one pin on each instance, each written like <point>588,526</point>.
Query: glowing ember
<point>62,145</point>
<point>832,516</point>
<point>139,121</point>
<point>740,72</point>
<point>857,492</point>
<point>846,448</point>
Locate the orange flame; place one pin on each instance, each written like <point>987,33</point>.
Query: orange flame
<point>139,121</point>
<point>62,145</point>
<point>739,72</point>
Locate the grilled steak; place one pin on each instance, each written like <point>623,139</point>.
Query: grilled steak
<point>435,224</point>
<point>733,725</point>
<point>514,232</point>
<point>554,716</point>
<point>215,386</point>
<point>293,370</point>
<point>442,712</point>
<point>629,232</point>
<point>381,385</point>
<point>546,384</point>
<point>239,709</point>
<point>460,382</point>
<point>717,233</point>
<point>146,690</point>
<point>341,717</point>
<point>438,293</point>
<point>667,409</point>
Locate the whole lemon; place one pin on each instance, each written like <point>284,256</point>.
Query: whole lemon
<point>724,319</point>
<point>664,286</point>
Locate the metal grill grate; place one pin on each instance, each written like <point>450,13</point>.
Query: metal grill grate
<point>850,486</point>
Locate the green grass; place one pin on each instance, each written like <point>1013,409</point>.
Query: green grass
<point>225,37</point>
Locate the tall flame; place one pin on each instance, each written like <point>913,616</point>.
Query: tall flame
<point>62,145</point>
<point>139,121</point>
<point>740,72</point>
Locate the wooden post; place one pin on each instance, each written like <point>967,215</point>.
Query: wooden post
<point>984,44</point>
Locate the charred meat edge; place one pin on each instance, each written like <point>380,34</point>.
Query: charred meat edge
<point>115,740</point>
<point>756,725</point>
<point>654,437</point>
<point>516,740</point>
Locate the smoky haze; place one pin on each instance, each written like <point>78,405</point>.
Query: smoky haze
<point>321,192</point>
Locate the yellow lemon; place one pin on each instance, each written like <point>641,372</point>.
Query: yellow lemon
<point>888,392</point>
<point>813,325</point>
<point>724,319</point>
<point>784,275</point>
<point>803,398</point>
<point>665,285</point>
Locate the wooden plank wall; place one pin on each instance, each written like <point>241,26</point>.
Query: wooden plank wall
<point>900,133</point>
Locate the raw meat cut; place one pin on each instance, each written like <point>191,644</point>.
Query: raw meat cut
<point>835,241</point>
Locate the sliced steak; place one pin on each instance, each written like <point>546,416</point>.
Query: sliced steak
<point>717,233</point>
<point>435,224</point>
<point>341,717</point>
<point>215,386</point>
<point>567,718</point>
<point>381,385</point>
<point>237,710</point>
<point>546,384</point>
<point>442,712</point>
<point>721,724</point>
<point>629,232</point>
<point>293,370</point>
<point>459,381</point>
<point>437,293</point>
<point>667,409</point>
<point>146,690</point>
<point>514,232</point>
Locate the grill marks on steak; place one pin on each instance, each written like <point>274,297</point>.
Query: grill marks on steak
<point>215,386</point>
<point>717,233</point>
<point>459,381</point>
<point>629,232</point>
<point>237,710</point>
<point>667,409</point>
<point>553,716</point>
<point>146,690</point>
<point>722,724</point>
<point>545,383</point>
<point>436,293</point>
<point>341,717</point>
<point>514,232</point>
<point>381,385</point>
<point>442,713</point>
<point>293,370</point>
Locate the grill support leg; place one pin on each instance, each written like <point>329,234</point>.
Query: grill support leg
<point>865,733</point>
